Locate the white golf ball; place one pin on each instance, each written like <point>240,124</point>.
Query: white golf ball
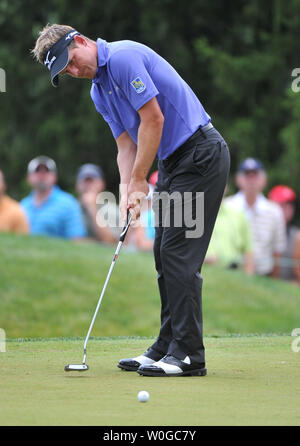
<point>143,396</point>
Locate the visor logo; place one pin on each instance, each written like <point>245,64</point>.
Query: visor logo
<point>70,35</point>
<point>48,62</point>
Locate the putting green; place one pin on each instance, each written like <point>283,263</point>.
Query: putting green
<point>252,380</point>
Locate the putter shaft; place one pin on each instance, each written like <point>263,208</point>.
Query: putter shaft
<point>122,238</point>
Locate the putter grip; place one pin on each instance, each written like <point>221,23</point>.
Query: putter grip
<point>126,227</point>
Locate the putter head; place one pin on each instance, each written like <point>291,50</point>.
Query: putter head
<point>76,367</point>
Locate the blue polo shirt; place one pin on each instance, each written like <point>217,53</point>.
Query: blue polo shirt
<point>59,216</point>
<point>129,75</point>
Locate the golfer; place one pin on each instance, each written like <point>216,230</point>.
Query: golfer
<point>152,112</point>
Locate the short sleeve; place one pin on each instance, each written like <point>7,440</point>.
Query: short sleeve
<point>128,70</point>
<point>115,128</point>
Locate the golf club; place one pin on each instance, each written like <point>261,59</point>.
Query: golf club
<point>83,367</point>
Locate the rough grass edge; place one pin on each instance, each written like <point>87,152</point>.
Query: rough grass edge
<point>135,338</point>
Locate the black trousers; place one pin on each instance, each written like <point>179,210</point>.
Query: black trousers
<point>200,165</point>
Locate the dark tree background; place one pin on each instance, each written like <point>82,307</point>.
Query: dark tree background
<point>238,57</point>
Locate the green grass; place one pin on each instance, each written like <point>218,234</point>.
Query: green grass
<point>252,380</point>
<point>50,288</point>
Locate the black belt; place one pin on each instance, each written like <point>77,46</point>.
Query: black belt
<point>201,131</point>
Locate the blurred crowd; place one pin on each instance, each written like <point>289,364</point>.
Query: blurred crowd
<point>93,215</point>
<point>253,232</point>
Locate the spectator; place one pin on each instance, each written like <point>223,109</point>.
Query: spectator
<point>51,211</point>
<point>101,216</point>
<point>266,218</point>
<point>12,217</point>
<point>231,242</point>
<point>289,267</point>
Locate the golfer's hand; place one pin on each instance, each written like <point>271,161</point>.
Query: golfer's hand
<point>137,192</point>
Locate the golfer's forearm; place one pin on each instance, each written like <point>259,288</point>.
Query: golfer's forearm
<point>149,137</point>
<point>126,158</point>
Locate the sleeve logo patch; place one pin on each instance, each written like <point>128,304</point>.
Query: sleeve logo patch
<point>138,85</point>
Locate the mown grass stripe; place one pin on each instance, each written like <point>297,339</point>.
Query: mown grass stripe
<point>136,338</point>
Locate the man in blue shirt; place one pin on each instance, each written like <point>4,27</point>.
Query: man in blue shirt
<point>49,210</point>
<point>152,112</point>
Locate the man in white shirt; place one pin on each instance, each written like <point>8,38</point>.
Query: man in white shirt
<point>265,217</point>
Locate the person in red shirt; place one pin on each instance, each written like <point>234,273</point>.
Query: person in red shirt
<point>289,265</point>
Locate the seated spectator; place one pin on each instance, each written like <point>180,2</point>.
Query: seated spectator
<point>266,218</point>
<point>101,216</point>
<point>231,242</point>
<point>12,217</point>
<point>289,266</point>
<point>50,210</point>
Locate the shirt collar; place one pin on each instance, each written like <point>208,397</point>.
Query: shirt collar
<point>103,55</point>
<point>55,189</point>
<point>260,203</point>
